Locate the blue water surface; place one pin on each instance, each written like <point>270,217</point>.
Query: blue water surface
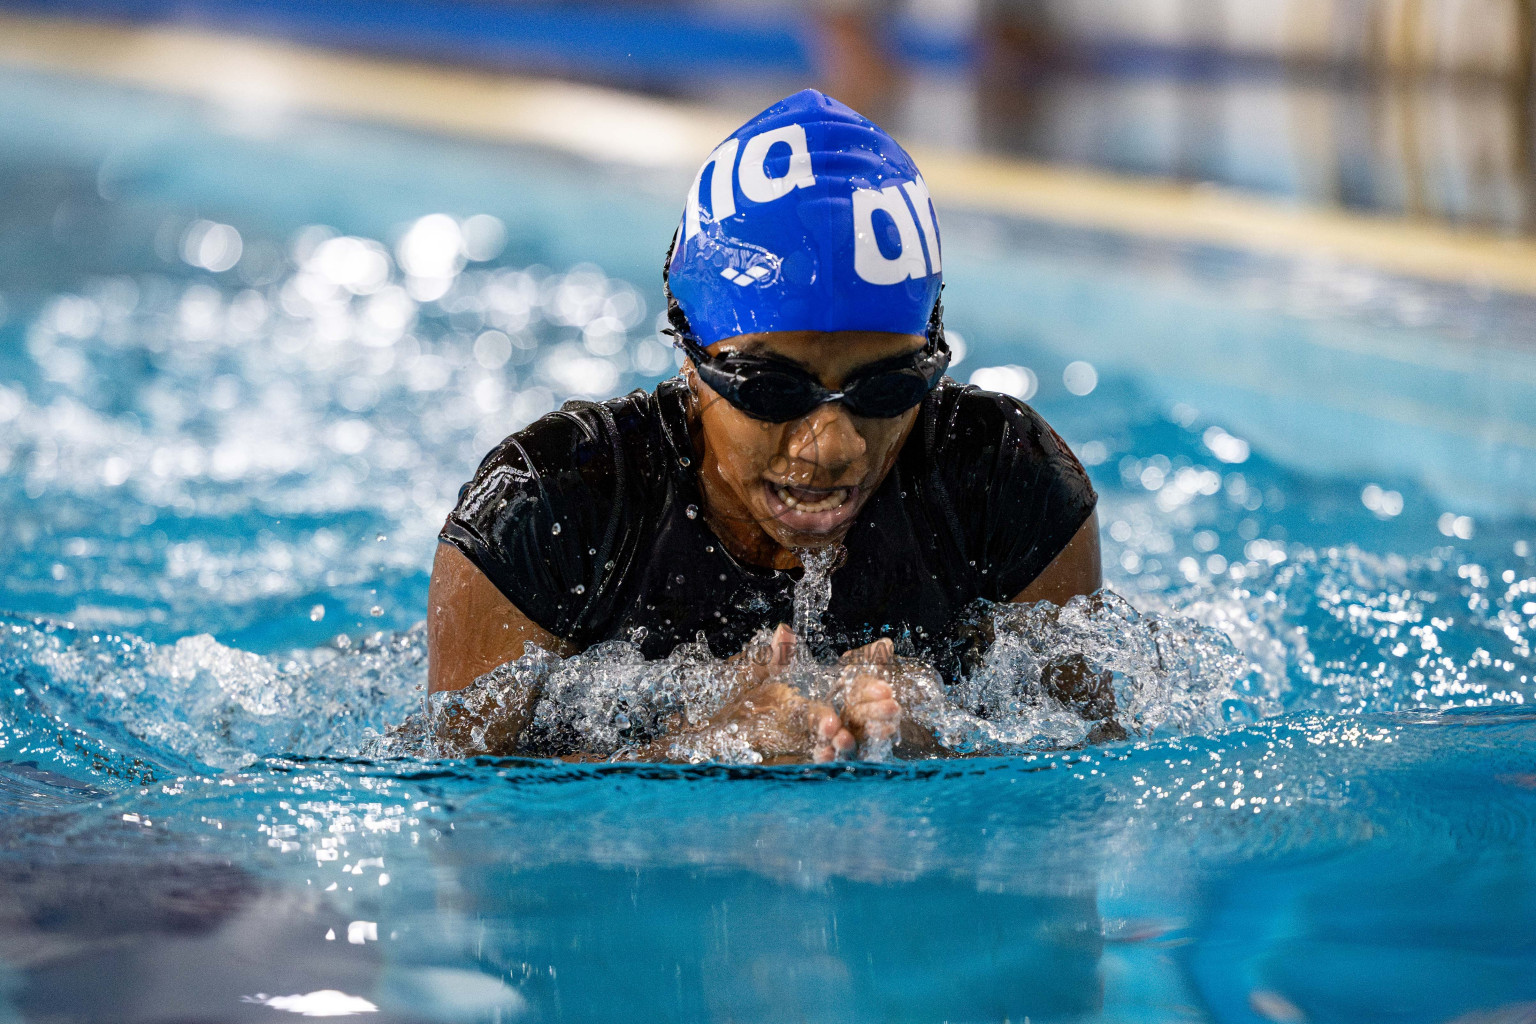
<point>245,364</point>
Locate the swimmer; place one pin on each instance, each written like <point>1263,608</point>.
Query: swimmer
<point>812,410</point>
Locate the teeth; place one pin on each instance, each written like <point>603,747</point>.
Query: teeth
<point>832,500</point>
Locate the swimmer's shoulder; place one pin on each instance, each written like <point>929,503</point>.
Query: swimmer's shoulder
<point>593,455</point>
<point>1014,490</point>
<point>557,504</point>
<point>965,424</point>
<point>597,447</point>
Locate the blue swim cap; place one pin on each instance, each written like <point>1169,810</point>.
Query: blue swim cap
<point>809,217</point>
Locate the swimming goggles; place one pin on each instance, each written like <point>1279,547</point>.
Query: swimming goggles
<point>776,390</point>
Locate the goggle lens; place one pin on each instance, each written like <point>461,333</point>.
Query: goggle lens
<point>766,390</point>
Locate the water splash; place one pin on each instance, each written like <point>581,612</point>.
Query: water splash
<point>808,670</point>
<point>1170,676</point>
<point>813,592</point>
<point>1337,631</point>
<point>1345,630</point>
<point>132,709</point>
<point>606,702</point>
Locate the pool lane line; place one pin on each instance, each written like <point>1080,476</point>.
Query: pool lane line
<point>614,126</point>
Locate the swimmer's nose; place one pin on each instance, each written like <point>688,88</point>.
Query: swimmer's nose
<point>828,440</point>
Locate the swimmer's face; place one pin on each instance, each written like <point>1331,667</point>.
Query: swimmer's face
<point>775,486</point>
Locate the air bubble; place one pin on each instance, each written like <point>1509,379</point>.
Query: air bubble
<point>317,613</point>
<point>692,511</point>
<point>684,461</point>
<point>555,529</point>
<point>376,611</point>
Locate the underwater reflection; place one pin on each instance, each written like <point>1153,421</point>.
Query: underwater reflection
<point>809,898</point>
<point>144,936</point>
<point>708,944</point>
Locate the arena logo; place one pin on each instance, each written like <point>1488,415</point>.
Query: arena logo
<point>908,205</point>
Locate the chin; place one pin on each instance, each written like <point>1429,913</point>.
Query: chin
<point>791,539</point>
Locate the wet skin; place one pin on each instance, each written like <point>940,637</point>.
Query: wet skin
<point>768,488</point>
<point>772,487</point>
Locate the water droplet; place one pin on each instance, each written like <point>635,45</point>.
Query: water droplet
<point>376,611</point>
<point>692,511</point>
<point>591,551</point>
<point>555,529</point>
<point>579,589</point>
<point>684,461</point>
<point>678,577</point>
<point>709,549</point>
<point>608,565</point>
<point>317,613</point>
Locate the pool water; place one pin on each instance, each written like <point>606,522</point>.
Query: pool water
<point>245,364</point>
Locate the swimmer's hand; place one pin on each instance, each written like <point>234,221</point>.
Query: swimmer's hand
<point>767,714</point>
<point>879,692</point>
<point>776,716</point>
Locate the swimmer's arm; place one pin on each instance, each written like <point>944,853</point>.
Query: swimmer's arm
<point>472,627</point>
<point>1078,569</point>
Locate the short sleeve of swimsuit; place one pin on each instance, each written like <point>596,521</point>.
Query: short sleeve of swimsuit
<point>1018,491</point>
<point>539,513</point>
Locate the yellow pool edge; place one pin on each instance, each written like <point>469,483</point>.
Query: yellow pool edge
<point>611,125</point>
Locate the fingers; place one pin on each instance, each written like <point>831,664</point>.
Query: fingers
<point>783,646</point>
<point>867,689</point>
<point>842,748</point>
<point>881,652</point>
<point>825,725</point>
<point>830,739</point>
<point>870,710</point>
<point>879,721</point>
<point>762,661</point>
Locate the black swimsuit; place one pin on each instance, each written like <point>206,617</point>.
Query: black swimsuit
<point>590,522</point>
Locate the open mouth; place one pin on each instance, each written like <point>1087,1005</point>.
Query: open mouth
<point>803,499</point>
<point>811,509</point>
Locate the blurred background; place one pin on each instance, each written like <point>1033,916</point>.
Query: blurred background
<point>276,274</point>
<point>1419,108</point>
